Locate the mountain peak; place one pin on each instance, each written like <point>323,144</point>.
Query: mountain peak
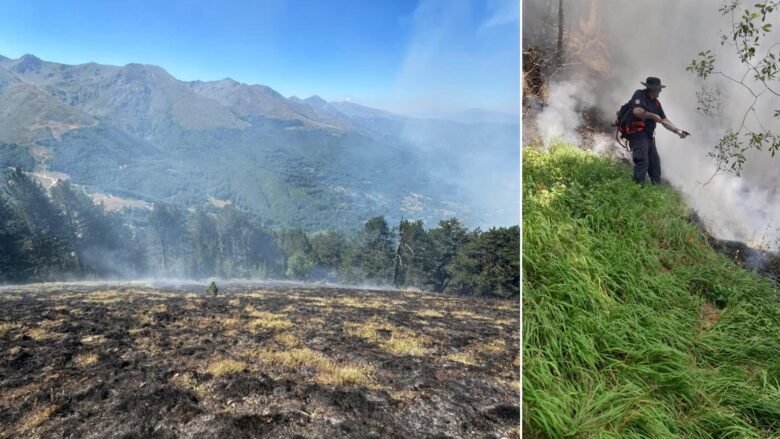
<point>140,71</point>
<point>315,100</point>
<point>28,63</point>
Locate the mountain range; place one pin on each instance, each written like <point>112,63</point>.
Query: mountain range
<point>137,132</point>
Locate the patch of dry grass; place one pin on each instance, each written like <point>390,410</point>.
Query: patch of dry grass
<point>267,320</point>
<point>259,294</point>
<point>406,343</point>
<point>270,324</point>
<point>314,321</point>
<point>495,346</point>
<point>104,297</point>
<point>227,366</point>
<point>293,358</point>
<point>86,360</point>
<point>364,331</point>
<point>229,323</point>
<point>430,313</point>
<point>359,302</point>
<point>7,326</point>
<point>317,301</point>
<point>470,354</point>
<point>184,381</point>
<point>328,371</point>
<point>463,358</point>
<point>187,381</point>
<point>37,417</point>
<point>9,397</point>
<point>145,318</point>
<point>190,306</point>
<point>462,314</point>
<point>49,324</point>
<point>93,340</point>
<point>401,341</point>
<point>508,322</point>
<point>288,339</point>
<point>513,384</point>
<point>42,334</point>
<point>340,375</point>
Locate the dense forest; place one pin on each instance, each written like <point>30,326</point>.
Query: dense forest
<point>60,233</point>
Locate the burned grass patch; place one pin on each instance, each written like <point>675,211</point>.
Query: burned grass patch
<point>141,362</point>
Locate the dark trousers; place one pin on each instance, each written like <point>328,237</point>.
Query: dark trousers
<point>645,156</point>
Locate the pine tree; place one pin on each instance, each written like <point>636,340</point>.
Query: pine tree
<point>488,265</point>
<point>374,252</point>
<point>414,256</point>
<point>168,224</point>
<point>448,238</point>
<point>46,238</point>
<point>14,261</point>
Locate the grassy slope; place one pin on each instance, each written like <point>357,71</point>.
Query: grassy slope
<point>633,325</point>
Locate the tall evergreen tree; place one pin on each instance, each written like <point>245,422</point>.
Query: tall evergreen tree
<point>204,239</point>
<point>374,252</point>
<point>267,258</point>
<point>168,224</point>
<point>51,252</point>
<point>95,234</point>
<point>329,250</point>
<point>414,256</point>
<point>488,265</point>
<point>14,261</point>
<point>447,239</point>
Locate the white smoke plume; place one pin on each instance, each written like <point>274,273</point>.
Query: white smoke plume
<point>560,119</point>
<point>619,44</point>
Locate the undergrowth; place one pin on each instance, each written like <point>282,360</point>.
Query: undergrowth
<point>617,285</point>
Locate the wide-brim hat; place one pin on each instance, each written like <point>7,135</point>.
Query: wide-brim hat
<point>653,83</point>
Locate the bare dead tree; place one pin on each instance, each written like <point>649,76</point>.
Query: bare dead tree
<point>559,50</point>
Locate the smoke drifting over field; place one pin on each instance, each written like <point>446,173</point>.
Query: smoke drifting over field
<point>615,45</point>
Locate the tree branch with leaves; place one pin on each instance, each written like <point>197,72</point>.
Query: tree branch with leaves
<point>749,30</point>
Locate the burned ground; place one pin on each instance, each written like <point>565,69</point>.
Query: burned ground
<point>126,361</point>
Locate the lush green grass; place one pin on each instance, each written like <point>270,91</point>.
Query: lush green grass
<point>633,325</point>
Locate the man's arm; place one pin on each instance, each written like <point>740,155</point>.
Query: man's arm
<point>644,114</point>
<point>670,126</point>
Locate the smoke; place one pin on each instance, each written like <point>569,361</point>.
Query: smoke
<point>560,119</point>
<point>462,58</point>
<point>613,45</point>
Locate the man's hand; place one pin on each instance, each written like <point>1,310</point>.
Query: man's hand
<point>670,126</point>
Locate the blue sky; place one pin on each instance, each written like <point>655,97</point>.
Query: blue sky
<point>410,56</point>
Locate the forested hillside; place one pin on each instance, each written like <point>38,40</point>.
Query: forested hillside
<point>137,132</point>
<point>62,234</point>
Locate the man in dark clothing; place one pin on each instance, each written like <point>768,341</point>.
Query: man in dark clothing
<point>646,111</point>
